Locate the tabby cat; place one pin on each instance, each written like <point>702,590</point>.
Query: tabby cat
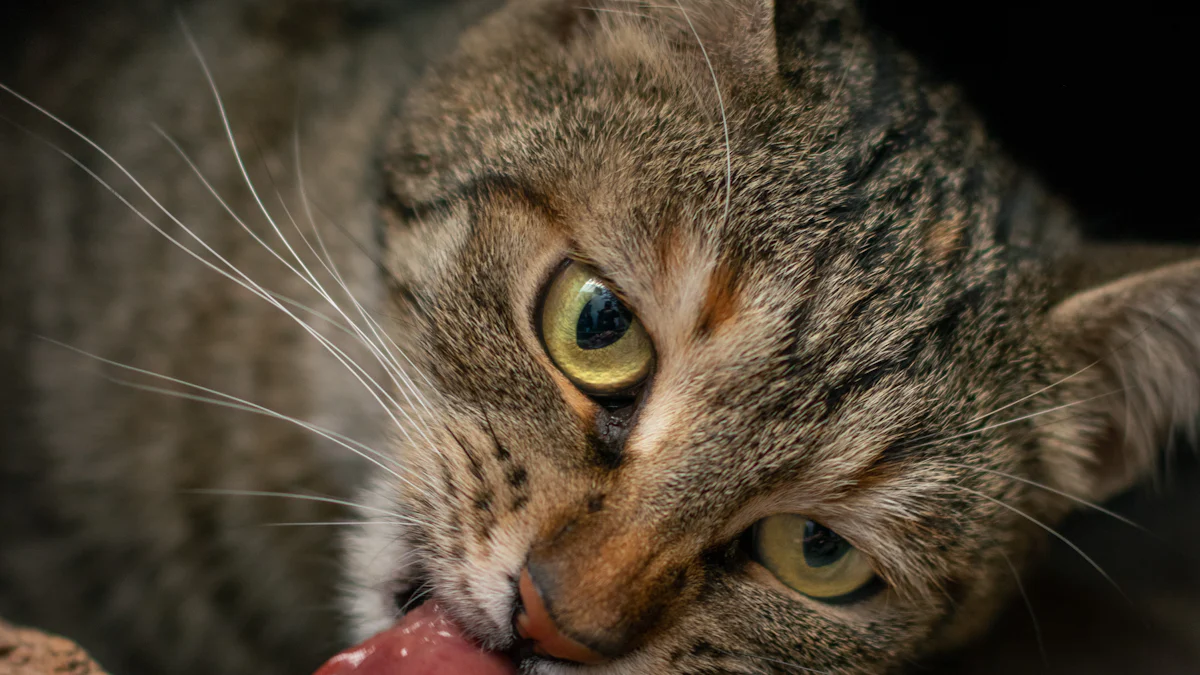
<point>717,323</point>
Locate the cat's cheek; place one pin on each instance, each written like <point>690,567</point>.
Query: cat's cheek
<point>375,568</point>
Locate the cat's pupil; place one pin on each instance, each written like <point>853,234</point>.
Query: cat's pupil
<point>822,546</point>
<point>602,321</point>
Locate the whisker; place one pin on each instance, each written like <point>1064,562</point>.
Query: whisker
<point>225,205</point>
<point>308,276</point>
<point>311,282</point>
<point>335,523</point>
<point>648,5</point>
<point>420,594</point>
<point>377,348</point>
<point>721,103</point>
<point>192,44</point>
<point>317,313</point>
<point>254,408</point>
<point>1022,418</point>
<point>332,268</point>
<point>1060,493</point>
<point>292,495</point>
<point>1049,529</point>
<point>622,12</point>
<point>1170,309</point>
<point>245,281</point>
<point>220,103</point>
<point>234,402</point>
<point>1037,627</point>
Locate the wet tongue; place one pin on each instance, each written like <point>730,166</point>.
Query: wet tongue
<point>424,642</point>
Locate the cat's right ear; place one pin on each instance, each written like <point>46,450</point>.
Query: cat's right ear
<point>812,31</point>
<point>1127,350</point>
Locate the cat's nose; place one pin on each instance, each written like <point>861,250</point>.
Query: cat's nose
<point>535,623</point>
<point>598,587</point>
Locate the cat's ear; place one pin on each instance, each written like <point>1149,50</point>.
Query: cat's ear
<point>1128,344</point>
<point>812,31</point>
<point>749,27</point>
<point>767,37</point>
<point>737,33</point>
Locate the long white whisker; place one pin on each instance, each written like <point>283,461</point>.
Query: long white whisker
<point>335,523</point>
<point>266,213</point>
<point>1060,493</point>
<point>423,590</point>
<point>235,403</point>
<point>293,495</point>
<point>376,346</point>
<point>1077,373</point>
<point>248,283</point>
<point>1034,394</point>
<point>720,102</point>
<point>212,85</point>
<point>622,12</point>
<point>332,436</point>
<point>377,330</point>
<point>230,401</point>
<point>311,282</point>
<point>305,308</point>
<point>254,193</point>
<point>1037,626</point>
<point>404,385</point>
<point>1014,420</point>
<point>225,205</point>
<point>306,278</point>
<point>332,268</point>
<point>1049,529</point>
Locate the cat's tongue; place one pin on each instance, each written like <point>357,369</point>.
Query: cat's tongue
<point>424,642</point>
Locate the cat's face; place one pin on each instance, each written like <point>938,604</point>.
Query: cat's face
<point>733,375</point>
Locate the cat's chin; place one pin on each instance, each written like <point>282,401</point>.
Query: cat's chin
<point>385,580</point>
<point>378,569</point>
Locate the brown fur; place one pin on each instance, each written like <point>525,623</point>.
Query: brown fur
<point>862,312</point>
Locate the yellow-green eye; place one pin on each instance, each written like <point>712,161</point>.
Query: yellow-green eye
<point>811,558</point>
<point>593,338</point>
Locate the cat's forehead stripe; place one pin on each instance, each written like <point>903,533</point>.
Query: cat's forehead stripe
<point>720,301</point>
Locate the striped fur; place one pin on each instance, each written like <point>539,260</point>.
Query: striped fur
<point>863,311</point>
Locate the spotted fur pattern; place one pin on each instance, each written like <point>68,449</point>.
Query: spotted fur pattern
<point>862,312</point>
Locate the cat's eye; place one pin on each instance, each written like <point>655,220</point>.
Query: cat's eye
<point>593,338</point>
<point>812,559</point>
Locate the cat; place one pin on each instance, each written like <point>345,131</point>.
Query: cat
<point>719,329</point>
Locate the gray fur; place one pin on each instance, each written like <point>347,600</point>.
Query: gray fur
<point>905,303</point>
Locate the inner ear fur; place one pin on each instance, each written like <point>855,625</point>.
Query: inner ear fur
<point>1127,341</point>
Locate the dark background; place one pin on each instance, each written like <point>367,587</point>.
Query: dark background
<point>1094,98</point>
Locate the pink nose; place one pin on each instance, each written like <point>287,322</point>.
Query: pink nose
<point>535,623</point>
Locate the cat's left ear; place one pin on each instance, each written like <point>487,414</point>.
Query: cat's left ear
<point>771,37</point>
<point>750,25</point>
<point>811,32</point>
<point>784,36</point>
<point>1129,347</point>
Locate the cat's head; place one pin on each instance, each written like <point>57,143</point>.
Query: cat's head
<point>737,345</point>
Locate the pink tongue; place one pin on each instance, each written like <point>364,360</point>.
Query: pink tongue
<point>425,642</point>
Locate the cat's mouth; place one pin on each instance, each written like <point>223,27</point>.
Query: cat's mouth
<point>425,641</point>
